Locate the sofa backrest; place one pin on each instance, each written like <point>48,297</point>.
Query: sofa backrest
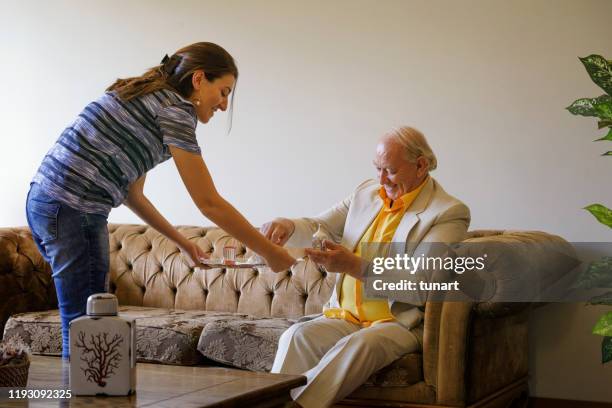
<point>25,278</point>
<point>148,270</point>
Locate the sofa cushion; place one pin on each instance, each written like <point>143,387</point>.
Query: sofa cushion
<point>169,336</point>
<point>251,343</point>
<point>42,331</point>
<point>163,335</point>
<point>401,373</point>
<point>248,343</point>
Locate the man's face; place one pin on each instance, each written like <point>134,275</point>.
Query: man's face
<point>395,173</point>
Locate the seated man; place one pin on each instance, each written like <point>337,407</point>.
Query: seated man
<point>356,336</point>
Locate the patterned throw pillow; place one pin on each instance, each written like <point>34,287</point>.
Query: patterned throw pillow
<point>249,343</point>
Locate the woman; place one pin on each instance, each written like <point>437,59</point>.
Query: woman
<point>101,161</point>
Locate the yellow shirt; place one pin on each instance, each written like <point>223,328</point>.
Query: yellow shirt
<point>353,306</point>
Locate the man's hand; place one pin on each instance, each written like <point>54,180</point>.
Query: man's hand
<point>337,258</point>
<point>278,230</point>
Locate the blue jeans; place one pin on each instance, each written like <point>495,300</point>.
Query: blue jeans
<point>75,244</point>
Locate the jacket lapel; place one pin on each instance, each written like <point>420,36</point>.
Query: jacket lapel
<point>366,207</point>
<point>408,222</point>
<point>365,210</point>
<point>411,217</point>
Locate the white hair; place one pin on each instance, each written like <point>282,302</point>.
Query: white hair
<point>415,145</point>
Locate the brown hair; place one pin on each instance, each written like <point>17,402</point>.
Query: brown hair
<point>175,72</point>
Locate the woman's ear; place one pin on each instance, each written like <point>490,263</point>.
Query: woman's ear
<point>196,79</point>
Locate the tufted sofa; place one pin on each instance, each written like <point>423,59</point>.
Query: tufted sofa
<point>473,354</point>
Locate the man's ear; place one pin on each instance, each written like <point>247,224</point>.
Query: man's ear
<point>422,166</point>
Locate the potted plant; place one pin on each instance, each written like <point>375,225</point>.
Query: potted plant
<point>14,364</point>
<point>599,273</point>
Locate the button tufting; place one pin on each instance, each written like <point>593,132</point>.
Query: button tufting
<point>289,273</point>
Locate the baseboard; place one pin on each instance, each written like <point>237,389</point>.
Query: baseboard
<point>499,399</point>
<point>563,403</point>
<point>509,396</point>
<point>533,403</point>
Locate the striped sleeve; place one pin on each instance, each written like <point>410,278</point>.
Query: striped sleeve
<point>177,124</point>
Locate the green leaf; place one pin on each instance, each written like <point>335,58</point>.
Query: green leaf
<point>602,213</point>
<point>600,71</point>
<point>606,349</point>
<point>588,106</point>
<point>606,137</point>
<point>605,299</point>
<point>604,110</point>
<point>609,153</point>
<point>604,123</point>
<point>597,275</point>
<point>603,327</point>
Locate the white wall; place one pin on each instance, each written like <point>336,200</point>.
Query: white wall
<point>487,82</point>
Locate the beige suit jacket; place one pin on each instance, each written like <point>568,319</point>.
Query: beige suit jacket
<point>434,216</point>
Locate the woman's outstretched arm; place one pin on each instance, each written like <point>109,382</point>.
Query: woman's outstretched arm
<point>143,208</point>
<point>201,187</point>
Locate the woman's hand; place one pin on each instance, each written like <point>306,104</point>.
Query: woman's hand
<point>200,185</point>
<point>280,260</point>
<point>140,204</point>
<point>194,254</point>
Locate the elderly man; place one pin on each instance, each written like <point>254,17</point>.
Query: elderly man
<point>356,336</point>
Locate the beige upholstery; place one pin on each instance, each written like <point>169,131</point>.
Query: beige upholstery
<point>25,278</point>
<point>148,270</point>
<point>470,351</point>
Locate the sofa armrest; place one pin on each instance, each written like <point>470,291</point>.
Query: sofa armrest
<point>26,284</point>
<point>469,353</point>
<point>452,352</point>
<point>501,309</point>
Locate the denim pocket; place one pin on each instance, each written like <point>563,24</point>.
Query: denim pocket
<point>43,219</point>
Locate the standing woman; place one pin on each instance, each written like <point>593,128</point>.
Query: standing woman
<point>101,160</point>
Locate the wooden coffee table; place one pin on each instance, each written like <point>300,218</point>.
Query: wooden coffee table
<point>167,386</point>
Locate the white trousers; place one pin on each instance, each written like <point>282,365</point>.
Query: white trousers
<point>337,356</point>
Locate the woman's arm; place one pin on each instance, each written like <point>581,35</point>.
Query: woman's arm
<point>202,189</point>
<point>143,208</point>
